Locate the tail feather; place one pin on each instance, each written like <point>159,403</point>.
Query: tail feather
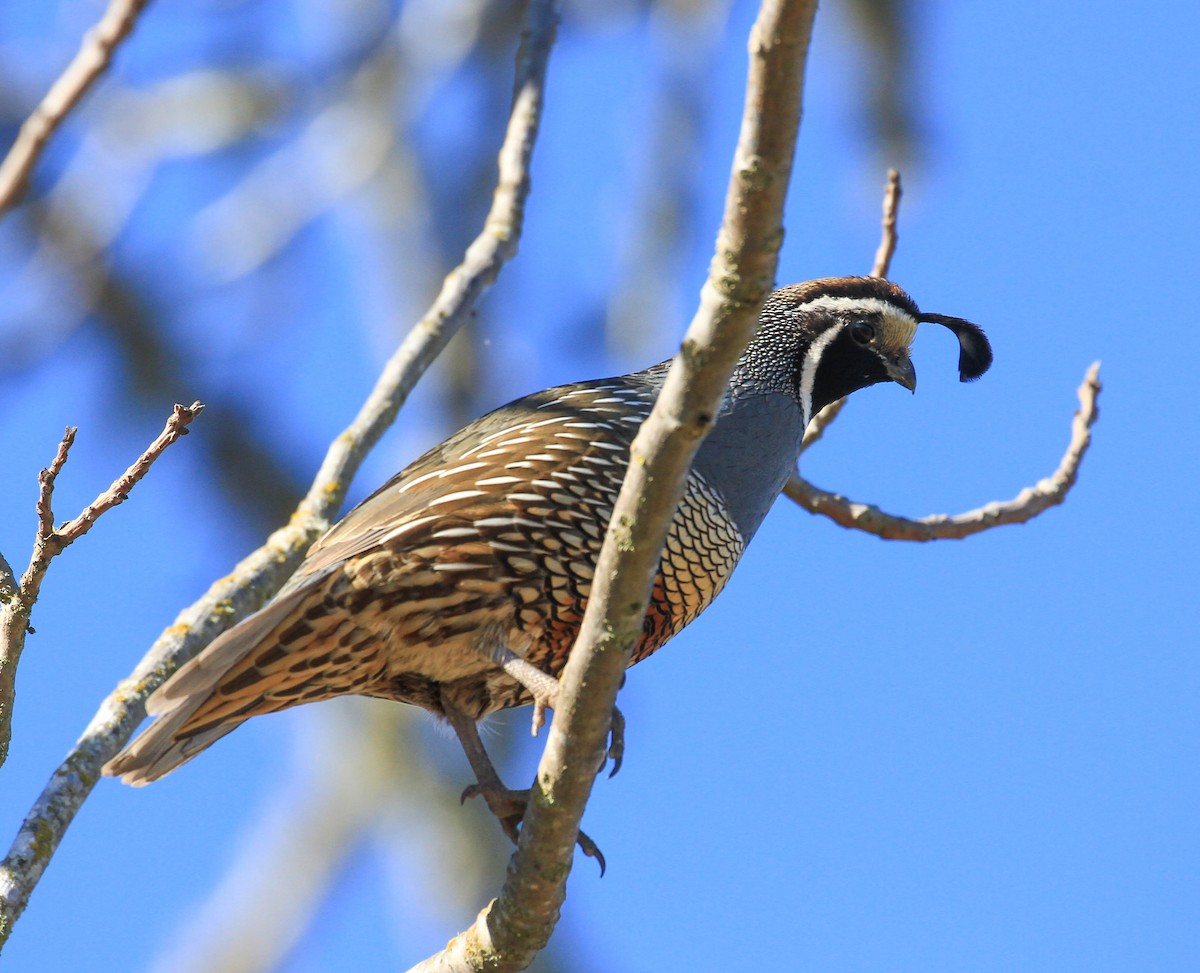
<point>161,748</point>
<point>203,673</point>
<point>192,710</point>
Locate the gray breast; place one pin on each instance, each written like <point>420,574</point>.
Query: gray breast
<point>750,453</point>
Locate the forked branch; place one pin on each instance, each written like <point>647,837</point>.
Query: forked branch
<point>17,599</point>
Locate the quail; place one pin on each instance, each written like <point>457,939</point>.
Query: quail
<point>459,586</point>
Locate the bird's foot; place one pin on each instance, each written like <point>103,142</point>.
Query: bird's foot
<point>543,687</point>
<point>509,806</point>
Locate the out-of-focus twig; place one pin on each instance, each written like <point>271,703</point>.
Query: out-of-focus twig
<point>91,61</point>
<point>662,211</point>
<point>1025,506</point>
<point>17,606</point>
<point>512,929</point>
<point>261,574</point>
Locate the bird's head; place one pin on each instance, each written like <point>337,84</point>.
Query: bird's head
<point>854,332</point>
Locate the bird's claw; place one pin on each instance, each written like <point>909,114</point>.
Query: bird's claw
<point>616,741</point>
<point>508,807</point>
<point>539,713</point>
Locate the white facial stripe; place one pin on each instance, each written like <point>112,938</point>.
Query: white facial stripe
<point>899,327</point>
<point>808,369</point>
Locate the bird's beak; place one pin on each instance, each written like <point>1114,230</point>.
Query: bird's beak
<point>900,370</point>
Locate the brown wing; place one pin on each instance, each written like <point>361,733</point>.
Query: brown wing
<point>495,530</point>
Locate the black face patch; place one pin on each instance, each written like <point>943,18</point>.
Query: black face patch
<point>845,367</point>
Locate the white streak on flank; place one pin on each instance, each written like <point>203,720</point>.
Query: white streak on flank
<point>544,484</point>
<point>518,441</point>
<point>451,533</point>
<point>405,528</point>
<point>511,521</point>
<point>460,495</point>
<point>541,457</point>
<point>493,452</point>
<point>585,425</point>
<point>564,475</point>
<point>499,481</point>
<point>508,548</point>
<point>574,435</point>
<point>465,468</point>
<point>459,566</point>
<point>614,447</point>
<point>520,465</point>
<point>409,484</point>
<point>543,422</point>
<point>563,446</point>
<point>586,390</point>
<point>597,461</point>
<point>452,471</point>
<point>812,360</point>
<point>526,497</point>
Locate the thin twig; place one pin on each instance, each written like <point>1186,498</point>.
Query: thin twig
<point>883,263</point>
<point>119,491</point>
<point>889,237</point>
<point>1025,506</point>
<point>509,932</point>
<point>262,573</point>
<point>46,478</point>
<point>91,61</point>
<point>15,612</point>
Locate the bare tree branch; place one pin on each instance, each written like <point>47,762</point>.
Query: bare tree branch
<point>887,243</point>
<point>261,574</point>
<point>14,615</point>
<point>509,932</point>
<point>1025,506</point>
<point>91,61</point>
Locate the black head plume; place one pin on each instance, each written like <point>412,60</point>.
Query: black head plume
<point>975,352</point>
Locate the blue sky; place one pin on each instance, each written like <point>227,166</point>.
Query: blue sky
<point>867,756</point>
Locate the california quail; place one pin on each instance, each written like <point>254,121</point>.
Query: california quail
<point>474,564</point>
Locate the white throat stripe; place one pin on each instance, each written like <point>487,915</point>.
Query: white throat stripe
<point>808,369</point>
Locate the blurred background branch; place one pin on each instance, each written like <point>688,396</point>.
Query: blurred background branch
<point>89,63</point>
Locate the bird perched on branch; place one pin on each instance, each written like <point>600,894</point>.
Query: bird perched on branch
<point>459,586</point>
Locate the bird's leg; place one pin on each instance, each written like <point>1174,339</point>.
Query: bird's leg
<point>507,805</point>
<point>544,689</point>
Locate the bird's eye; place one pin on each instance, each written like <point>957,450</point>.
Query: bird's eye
<point>863,332</point>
